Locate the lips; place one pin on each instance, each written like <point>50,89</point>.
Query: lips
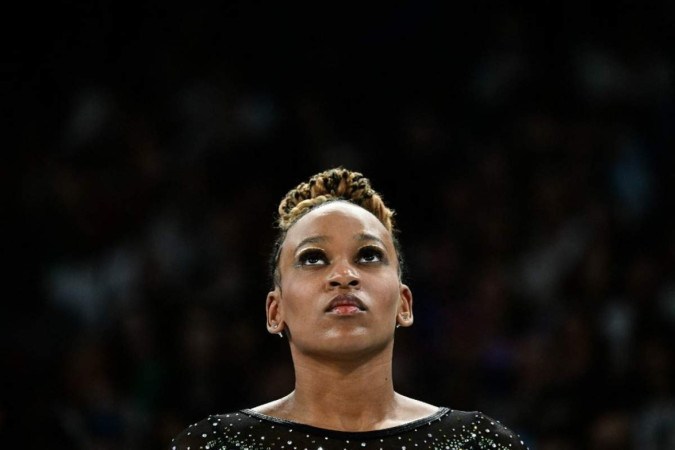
<point>345,304</point>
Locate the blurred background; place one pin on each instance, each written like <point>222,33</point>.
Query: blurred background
<point>528,153</point>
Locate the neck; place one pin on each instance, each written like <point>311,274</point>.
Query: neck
<point>350,395</point>
<point>346,395</point>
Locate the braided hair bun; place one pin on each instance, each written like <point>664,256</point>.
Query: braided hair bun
<point>333,184</point>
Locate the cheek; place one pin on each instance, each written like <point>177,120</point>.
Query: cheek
<point>297,298</point>
<point>389,291</point>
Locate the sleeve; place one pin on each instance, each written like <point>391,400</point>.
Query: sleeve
<point>490,434</point>
<point>194,437</point>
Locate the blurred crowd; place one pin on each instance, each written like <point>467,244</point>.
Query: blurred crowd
<point>532,184</point>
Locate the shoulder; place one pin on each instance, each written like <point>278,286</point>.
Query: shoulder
<point>482,431</point>
<point>215,431</point>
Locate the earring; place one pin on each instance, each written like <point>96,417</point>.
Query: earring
<point>398,325</point>
<point>281,335</point>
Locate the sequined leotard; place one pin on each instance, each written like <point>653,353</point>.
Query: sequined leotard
<point>445,430</point>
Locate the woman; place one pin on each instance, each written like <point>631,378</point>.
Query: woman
<point>338,297</point>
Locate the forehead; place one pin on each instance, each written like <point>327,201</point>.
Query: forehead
<point>336,219</point>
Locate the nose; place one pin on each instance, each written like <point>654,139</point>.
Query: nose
<point>343,275</point>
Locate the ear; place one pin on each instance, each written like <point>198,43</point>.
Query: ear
<point>275,322</point>
<point>404,316</point>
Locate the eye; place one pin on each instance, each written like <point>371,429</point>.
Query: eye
<point>312,257</point>
<point>371,254</point>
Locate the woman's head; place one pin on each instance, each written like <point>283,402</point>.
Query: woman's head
<point>337,285</point>
<point>324,187</point>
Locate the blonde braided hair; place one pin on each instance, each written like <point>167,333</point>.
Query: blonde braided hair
<point>330,185</point>
<point>333,184</point>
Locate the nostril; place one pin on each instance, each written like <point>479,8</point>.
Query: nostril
<point>341,283</point>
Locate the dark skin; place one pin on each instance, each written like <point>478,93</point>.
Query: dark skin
<point>339,299</point>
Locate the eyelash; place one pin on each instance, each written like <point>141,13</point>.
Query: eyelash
<point>311,254</point>
<point>371,251</point>
<point>363,252</point>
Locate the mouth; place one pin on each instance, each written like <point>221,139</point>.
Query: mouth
<point>345,304</point>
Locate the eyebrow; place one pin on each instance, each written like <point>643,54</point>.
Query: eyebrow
<point>369,237</point>
<point>311,240</point>
<point>321,238</point>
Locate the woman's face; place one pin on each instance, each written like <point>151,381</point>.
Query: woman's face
<point>339,291</point>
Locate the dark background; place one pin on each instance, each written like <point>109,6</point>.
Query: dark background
<point>527,151</point>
